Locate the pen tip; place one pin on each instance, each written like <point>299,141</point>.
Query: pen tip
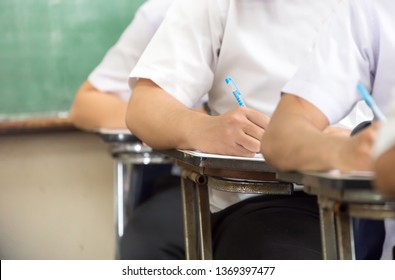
<point>227,80</point>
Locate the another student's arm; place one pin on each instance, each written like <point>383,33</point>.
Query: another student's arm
<point>163,122</point>
<point>94,109</point>
<point>385,175</point>
<point>295,140</point>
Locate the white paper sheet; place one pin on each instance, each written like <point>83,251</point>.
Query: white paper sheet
<point>112,131</point>
<point>258,157</point>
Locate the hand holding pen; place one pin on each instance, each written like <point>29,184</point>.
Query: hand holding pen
<point>371,103</point>
<point>242,127</point>
<point>235,91</point>
<point>357,150</point>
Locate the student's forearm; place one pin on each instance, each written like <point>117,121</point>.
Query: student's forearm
<point>301,147</point>
<point>295,140</point>
<point>164,123</point>
<point>93,109</point>
<point>385,176</point>
<point>159,119</point>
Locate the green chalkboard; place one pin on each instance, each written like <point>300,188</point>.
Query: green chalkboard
<point>48,47</point>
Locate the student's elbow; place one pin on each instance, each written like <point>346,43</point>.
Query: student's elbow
<point>79,110</point>
<point>136,113</point>
<point>76,116</point>
<point>132,117</point>
<point>73,113</point>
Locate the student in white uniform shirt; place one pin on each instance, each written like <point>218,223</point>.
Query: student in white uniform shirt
<point>101,101</point>
<point>259,44</point>
<point>357,46</point>
<point>384,162</point>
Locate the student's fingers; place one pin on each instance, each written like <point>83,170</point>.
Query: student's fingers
<point>251,122</point>
<point>230,148</point>
<point>375,126</point>
<point>238,143</point>
<point>368,135</point>
<point>257,118</point>
<point>242,135</point>
<point>331,130</point>
<point>250,144</point>
<point>360,148</point>
<point>242,151</point>
<point>254,131</point>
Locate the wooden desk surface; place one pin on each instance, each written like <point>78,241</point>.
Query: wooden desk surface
<point>36,123</point>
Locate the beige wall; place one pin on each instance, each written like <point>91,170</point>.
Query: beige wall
<point>56,197</point>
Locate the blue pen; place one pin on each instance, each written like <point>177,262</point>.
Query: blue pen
<point>370,102</point>
<point>235,91</point>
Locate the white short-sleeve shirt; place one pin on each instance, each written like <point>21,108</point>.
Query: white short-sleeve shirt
<point>358,46</point>
<point>111,75</point>
<point>259,43</point>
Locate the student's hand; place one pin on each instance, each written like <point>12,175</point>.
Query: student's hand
<point>200,110</point>
<point>355,153</point>
<point>237,132</point>
<point>331,130</point>
<point>384,170</point>
<point>172,125</point>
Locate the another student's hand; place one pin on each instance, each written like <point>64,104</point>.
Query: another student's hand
<point>384,170</point>
<point>355,153</point>
<point>237,132</point>
<point>93,109</point>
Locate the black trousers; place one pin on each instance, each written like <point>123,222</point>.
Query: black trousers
<point>263,227</point>
<point>369,234</point>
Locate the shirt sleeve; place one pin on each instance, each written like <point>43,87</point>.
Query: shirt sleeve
<point>343,56</point>
<point>111,75</point>
<point>182,55</point>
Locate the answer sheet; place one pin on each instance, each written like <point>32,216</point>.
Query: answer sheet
<point>258,156</point>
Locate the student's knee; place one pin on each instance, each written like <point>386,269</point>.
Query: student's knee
<point>155,229</point>
<point>277,229</point>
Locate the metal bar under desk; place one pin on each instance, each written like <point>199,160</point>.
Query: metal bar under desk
<point>230,175</point>
<point>341,197</point>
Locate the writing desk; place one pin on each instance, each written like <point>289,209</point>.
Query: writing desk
<point>341,197</point>
<point>199,171</point>
<point>130,155</point>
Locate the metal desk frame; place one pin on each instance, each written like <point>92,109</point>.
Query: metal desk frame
<point>128,153</point>
<point>200,173</point>
<point>340,198</point>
